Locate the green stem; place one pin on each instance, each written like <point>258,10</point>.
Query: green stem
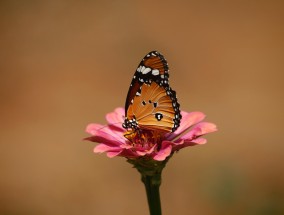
<point>151,172</point>
<point>153,194</point>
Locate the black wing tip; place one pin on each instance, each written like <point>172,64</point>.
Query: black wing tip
<point>158,54</point>
<point>154,53</point>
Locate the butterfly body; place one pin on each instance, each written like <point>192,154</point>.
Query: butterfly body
<point>151,104</point>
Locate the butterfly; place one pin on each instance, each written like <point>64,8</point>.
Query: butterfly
<point>151,104</point>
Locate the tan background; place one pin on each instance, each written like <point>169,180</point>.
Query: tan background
<point>66,63</point>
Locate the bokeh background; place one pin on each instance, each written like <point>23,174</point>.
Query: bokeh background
<point>64,64</point>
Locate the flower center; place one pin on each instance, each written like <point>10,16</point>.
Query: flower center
<point>144,138</point>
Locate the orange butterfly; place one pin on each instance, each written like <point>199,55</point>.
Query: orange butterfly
<point>151,104</point>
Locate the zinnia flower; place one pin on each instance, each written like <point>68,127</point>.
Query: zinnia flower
<point>116,141</point>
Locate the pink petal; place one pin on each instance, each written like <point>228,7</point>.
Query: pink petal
<point>188,119</point>
<point>198,141</point>
<point>105,134</point>
<point>186,143</point>
<point>152,149</point>
<point>92,128</point>
<point>116,118</point>
<point>141,153</point>
<point>200,129</point>
<point>146,151</point>
<point>100,148</point>
<point>126,146</point>
<point>164,152</point>
<point>113,154</point>
<point>207,127</point>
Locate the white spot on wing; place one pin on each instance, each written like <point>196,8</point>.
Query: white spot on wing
<point>139,69</point>
<point>145,70</point>
<point>155,72</point>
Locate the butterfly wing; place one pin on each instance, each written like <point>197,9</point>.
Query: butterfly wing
<point>153,109</point>
<point>151,104</point>
<point>153,67</point>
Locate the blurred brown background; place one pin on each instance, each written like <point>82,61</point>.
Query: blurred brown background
<point>64,64</point>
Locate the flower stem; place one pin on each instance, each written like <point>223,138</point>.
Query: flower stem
<point>153,195</point>
<point>151,172</point>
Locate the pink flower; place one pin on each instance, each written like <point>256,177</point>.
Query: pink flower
<point>116,141</point>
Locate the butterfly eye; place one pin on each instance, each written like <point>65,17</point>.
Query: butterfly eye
<point>151,104</point>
